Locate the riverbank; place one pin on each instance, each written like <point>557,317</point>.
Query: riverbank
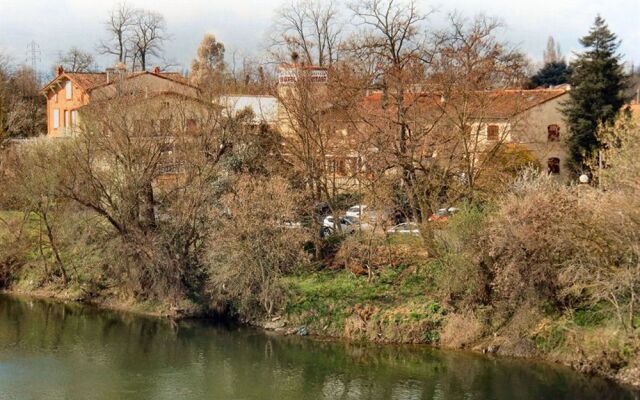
<point>72,350</point>
<point>74,295</point>
<point>495,278</point>
<point>396,307</point>
<point>393,309</point>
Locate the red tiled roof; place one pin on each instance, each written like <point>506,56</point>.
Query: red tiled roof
<point>172,76</point>
<point>91,80</point>
<point>85,80</point>
<point>488,104</point>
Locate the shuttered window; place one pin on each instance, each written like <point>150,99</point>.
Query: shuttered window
<point>56,118</point>
<point>67,90</point>
<point>492,132</point>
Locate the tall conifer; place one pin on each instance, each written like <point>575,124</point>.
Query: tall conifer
<point>597,94</point>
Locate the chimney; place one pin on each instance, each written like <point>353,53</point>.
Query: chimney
<point>121,71</point>
<point>110,74</point>
<point>156,70</point>
<point>59,70</point>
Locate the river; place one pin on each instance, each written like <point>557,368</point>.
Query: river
<point>53,351</point>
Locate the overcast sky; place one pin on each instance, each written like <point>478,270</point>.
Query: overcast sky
<point>57,25</point>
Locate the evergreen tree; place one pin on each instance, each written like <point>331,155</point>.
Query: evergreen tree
<point>552,74</point>
<point>598,84</point>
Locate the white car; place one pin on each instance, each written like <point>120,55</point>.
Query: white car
<point>405,228</point>
<point>363,214</point>
<point>356,211</point>
<point>347,224</point>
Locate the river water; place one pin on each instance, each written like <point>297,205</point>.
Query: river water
<point>56,351</point>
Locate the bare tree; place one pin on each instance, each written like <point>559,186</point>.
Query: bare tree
<point>391,48</point>
<point>252,247</point>
<point>76,60</point>
<point>427,124</point>
<point>314,136</point>
<point>34,189</point>
<point>149,32</point>
<point>21,106</point>
<point>119,26</point>
<point>472,70</point>
<point>4,78</point>
<point>310,28</point>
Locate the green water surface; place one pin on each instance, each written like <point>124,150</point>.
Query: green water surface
<point>56,351</point>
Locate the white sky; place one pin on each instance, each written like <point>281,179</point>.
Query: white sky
<point>56,25</point>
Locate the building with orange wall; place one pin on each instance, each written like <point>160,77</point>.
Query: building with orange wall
<point>69,91</point>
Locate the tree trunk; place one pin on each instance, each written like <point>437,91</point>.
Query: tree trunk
<point>148,214</point>
<point>54,248</point>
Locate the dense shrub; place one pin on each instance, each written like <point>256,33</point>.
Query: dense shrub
<point>366,252</point>
<point>460,272</point>
<point>251,247</point>
<point>566,246</point>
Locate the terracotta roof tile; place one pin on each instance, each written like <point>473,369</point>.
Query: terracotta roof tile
<point>487,104</point>
<point>91,80</point>
<point>86,80</point>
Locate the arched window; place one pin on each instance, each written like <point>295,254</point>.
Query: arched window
<point>553,133</point>
<point>553,165</point>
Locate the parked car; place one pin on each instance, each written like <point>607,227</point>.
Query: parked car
<point>356,211</point>
<point>442,214</point>
<point>347,224</point>
<point>405,228</point>
<point>364,215</point>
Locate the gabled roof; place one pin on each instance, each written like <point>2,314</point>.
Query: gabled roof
<point>507,103</point>
<point>138,98</point>
<point>497,104</point>
<point>84,80</point>
<point>172,76</point>
<point>91,80</point>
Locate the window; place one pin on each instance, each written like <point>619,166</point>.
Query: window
<point>56,118</point>
<point>67,120</point>
<point>553,133</point>
<point>492,132</point>
<point>74,118</point>
<point>191,125</point>
<point>340,166</point>
<point>164,126</point>
<point>553,166</point>
<point>67,89</point>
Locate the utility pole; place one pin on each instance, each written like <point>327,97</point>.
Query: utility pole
<point>33,57</point>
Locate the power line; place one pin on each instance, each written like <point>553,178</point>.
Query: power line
<point>33,54</point>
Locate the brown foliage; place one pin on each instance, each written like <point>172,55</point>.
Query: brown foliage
<point>252,246</point>
<point>568,246</point>
<point>367,252</point>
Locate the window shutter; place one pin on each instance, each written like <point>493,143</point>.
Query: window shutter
<point>56,118</point>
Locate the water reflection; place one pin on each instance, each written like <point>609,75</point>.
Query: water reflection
<point>54,351</point>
